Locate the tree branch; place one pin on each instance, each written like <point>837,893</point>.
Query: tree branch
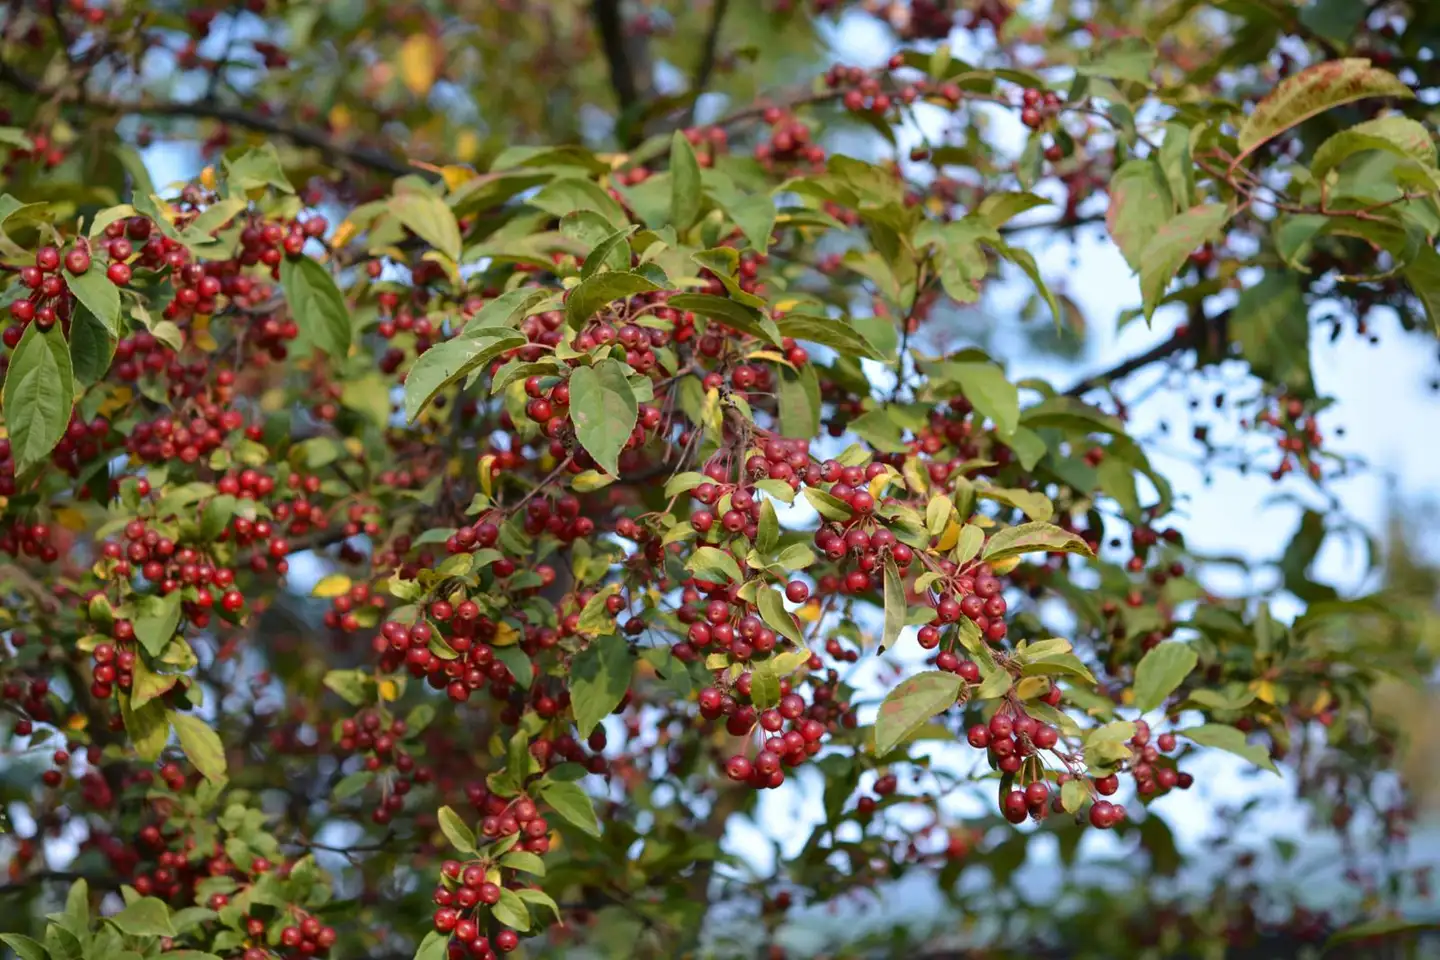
<point>1123,369</point>
<point>1208,336</point>
<point>708,52</point>
<point>304,136</point>
<point>612,40</point>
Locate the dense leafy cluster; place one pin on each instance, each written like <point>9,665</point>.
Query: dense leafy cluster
<point>436,558</point>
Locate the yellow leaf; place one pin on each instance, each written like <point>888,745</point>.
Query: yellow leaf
<point>118,400</point>
<point>1322,700</point>
<point>344,234</point>
<point>1032,687</point>
<point>486,469</point>
<point>1264,690</point>
<point>419,55</point>
<point>452,468</point>
<point>810,612</point>
<point>77,721</point>
<point>100,571</point>
<point>1128,697</point>
<point>982,521</point>
<point>878,485</point>
<point>456,175</point>
<point>950,537</point>
<point>505,636</point>
<point>1005,566</point>
<point>389,690</point>
<point>467,145</point>
<point>70,518</point>
<point>335,585</point>
<point>340,118</point>
<point>272,401</point>
<point>207,177</point>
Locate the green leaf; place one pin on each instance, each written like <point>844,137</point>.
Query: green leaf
<point>1033,538</point>
<point>448,362</point>
<point>835,333</point>
<point>525,862</point>
<point>148,726</point>
<point>571,802</point>
<point>201,744</point>
<point>826,504</point>
<point>92,348</point>
<point>101,297</point>
<point>1400,136</point>
<point>1073,795</point>
<point>316,304</point>
<point>24,947</point>
<point>539,898</point>
<point>603,409</point>
<point>968,544</point>
<point>985,386</point>
<point>712,563</point>
<point>352,784</point>
<point>1171,246</point>
<point>257,168</point>
<point>461,837</point>
<point>602,289</point>
<point>428,217</point>
<point>508,309</point>
<point>613,252</point>
<point>510,910</point>
<point>685,190</point>
<point>1131,60</point>
<point>1221,737</point>
<point>158,619</point>
<point>1160,672</point>
<point>1378,929</point>
<point>798,396</point>
<point>773,612</point>
<point>567,194</point>
<point>595,619</point>
<point>764,685</point>
<point>910,705</point>
<point>1139,205</point>
<point>895,607</point>
<point>1423,276</point>
<point>521,667</point>
<point>735,315</point>
<point>146,917</point>
<point>38,394</point>
<point>599,679</point>
<point>1313,91</point>
<point>1270,323</point>
<point>1178,166</point>
<point>435,946</point>
<point>767,533</point>
<point>353,686</point>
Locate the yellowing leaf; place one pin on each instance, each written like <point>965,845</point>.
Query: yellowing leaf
<point>1264,690</point>
<point>1002,567</point>
<point>70,518</point>
<point>389,690</point>
<point>335,585</point>
<point>505,636</point>
<point>207,177</point>
<point>810,612</point>
<point>340,118</point>
<point>467,145</point>
<point>949,538</point>
<point>486,469</point>
<point>419,55</point>
<point>77,721</point>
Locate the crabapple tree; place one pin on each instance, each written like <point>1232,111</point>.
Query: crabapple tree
<point>535,437</point>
